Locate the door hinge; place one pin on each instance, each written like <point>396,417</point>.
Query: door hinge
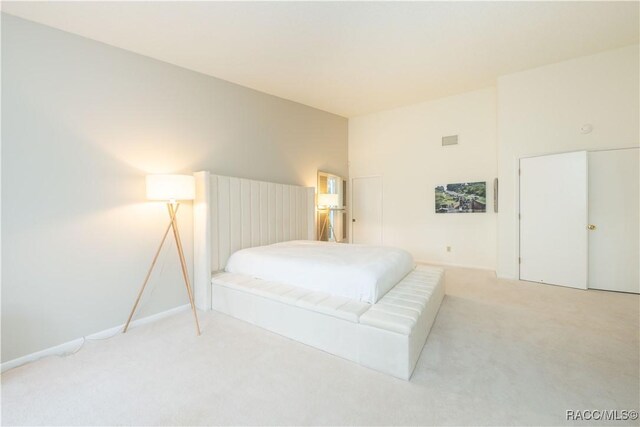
<point>519,260</point>
<point>519,172</point>
<point>519,216</point>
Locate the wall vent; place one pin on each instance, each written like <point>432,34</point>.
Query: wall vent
<point>449,140</point>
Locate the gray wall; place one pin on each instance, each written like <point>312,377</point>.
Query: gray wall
<point>83,123</point>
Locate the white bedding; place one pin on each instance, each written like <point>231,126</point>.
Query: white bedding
<point>360,272</point>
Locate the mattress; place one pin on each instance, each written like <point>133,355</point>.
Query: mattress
<point>359,272</point>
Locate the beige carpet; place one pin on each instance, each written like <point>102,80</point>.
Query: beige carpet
<point>500,352</point>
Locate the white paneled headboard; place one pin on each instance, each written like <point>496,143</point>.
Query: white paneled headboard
<point>235,213</point>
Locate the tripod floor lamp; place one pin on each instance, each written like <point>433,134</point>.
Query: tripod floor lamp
<point>328,202</point>
<point>169,188</point>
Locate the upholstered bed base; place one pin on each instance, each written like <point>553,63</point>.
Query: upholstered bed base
<point>387,336</point>
<point>230,214</point>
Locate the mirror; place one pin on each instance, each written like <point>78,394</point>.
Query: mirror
<point>331,205</point>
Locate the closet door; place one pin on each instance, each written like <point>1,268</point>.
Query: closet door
<point>614,215</point>
<point>366,211</point>
<point>553,219</point>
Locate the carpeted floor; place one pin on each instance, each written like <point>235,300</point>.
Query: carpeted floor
<point>500,352</point>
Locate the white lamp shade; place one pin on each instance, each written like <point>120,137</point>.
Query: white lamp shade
<point>171,187</point>
<point>328,200</point>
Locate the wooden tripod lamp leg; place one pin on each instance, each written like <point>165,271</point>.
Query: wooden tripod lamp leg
<point>324,224</point>
<point>146,279</point>
<point>183,263</point>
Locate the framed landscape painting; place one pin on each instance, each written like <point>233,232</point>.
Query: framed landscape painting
<point>464,197</point>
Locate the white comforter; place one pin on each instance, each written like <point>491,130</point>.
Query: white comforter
<point>360,272</point>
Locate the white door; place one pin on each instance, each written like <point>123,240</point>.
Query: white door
<point>614,247</point>
<point>366,210</point>
<point>553,219</point>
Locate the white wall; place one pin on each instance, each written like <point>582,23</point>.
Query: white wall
<point>83,123</point>
<point>540,111</point>
<point>404,146</point>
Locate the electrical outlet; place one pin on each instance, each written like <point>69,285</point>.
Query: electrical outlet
<point>448,248</point>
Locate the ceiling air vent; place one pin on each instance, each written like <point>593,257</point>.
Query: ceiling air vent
<point>449,140</point>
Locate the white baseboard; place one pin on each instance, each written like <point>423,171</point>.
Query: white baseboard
<point>73,345</point>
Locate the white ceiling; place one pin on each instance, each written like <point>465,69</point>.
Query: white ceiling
<point>349,58</point>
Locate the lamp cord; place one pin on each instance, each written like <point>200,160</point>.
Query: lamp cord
<point>86,338</point>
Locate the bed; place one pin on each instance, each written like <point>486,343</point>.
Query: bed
<point>255,260</point>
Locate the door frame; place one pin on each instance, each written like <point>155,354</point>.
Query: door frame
<point>351,205</point>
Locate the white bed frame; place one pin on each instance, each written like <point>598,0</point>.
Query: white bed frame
<point>235,213</point>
